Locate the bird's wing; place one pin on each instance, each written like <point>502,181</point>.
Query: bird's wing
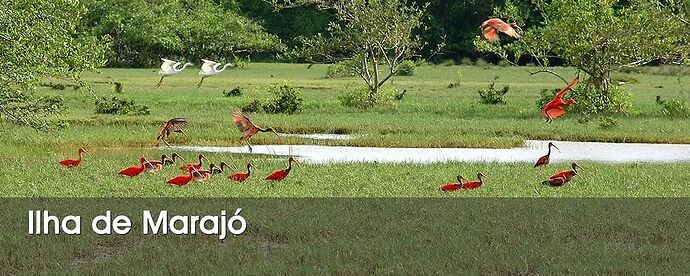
<point>208,66</point>
<point>490,33</point>
<point>176,124</point>
<point>506,29</point>
<point>243,122</point>
<point>554,112</point>
<point>168,65</point>
<point>560,94</point>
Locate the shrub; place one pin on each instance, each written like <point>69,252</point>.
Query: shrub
<point>359,98</point>
<point>253,107</point>
<point>673,107</point>
<point>482,63</point>
<point>400,96</point>
<point>458,78</point>
<point>466,61</point>
<point>118,106</point>
<point>493,96</point>
<point>406,68</point>
<point>615,100</point>
<point>607,122</point>
<point>287,99</point>
<point>235,92</point>
<point>343,69</point>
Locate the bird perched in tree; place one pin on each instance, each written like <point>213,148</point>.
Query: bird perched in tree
<point>171,67</point>
<point>211,68</point>
<point>491,27</point>
<point>74,162</point>
<point>567,175</point>
<point>544,160</point>
<point>171,126</point>
<point>242,176</point>
<point>554,108</point>
<point>283,173</point>
<point>248,128</point>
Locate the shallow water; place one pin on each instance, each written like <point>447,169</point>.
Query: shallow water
<point>321,136</point>
<point>570,151</point>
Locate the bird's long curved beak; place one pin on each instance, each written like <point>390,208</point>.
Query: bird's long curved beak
<point>87,153</point>
<point>559,150</point>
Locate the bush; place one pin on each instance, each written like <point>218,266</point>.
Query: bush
<point>493,96</point>
<point>466,61</point>
<point>253,107</point>
<point>406,68</point>
<point>615,100</point>
<point>287,99</point>
<point>343,69</point>
<point>458,78</point>
<point>235,92</point>
<point>673,107</point>
<point>400,96</point>
<point>359,98</point>
<point>607,122</point>
<point>118,106</point>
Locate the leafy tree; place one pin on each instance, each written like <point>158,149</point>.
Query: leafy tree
<point>143,31</point>
<point>375,35</point>
<point>38,39</point>
<point>599,37</point>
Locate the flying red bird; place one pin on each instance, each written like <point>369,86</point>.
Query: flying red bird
<point>182,180</point>
<point>474,184</point>
<point>544,160</point>
<point>248,128</point>
<point>197,166</point>
<point>282,174</point>
<point>171,126</point>
<point>567,175</point>
<point>242,176</point>
<point>74,162</point>
<point>133,171</point>
<point>554,108</point>
<point>453,186</point>
<point>491,27</point>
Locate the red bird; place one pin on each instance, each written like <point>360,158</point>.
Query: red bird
<point>172,125</point>
<point>242,176</point>
<point>203,175</point>
<point>554,108</point>
<point>248,128</point>
<point>74,162</point>
<point>184,179</point>
<point>156,165</point>
<point>474,184</point>
<point>555,182</point>
<point>567,175</point>
<point>282,174</point>
<point>133,171</point>
<point>453,186</point>
<point>491,27</point>
<point>196,166</point>
<point>544,160</point>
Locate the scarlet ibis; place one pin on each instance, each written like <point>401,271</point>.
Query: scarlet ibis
<point>491,27</point>
<point>173,159</point>
<point>544,160</point>
<point>282,174</point>
<point>74,162</point>
<point>184,179</point>
<point>554,108</point>
<point>218,169</point>
<point>172,125</point>
<point>242,176</point>
<point>248,128</point>
<point>555,182</point>
<point>169,68</point>
<point>203,175</point>
<point>133,171</point>
<point>453,186</point>
<point>211,68</point>
<point>197,166</point>
<point>474,184</point>
<point>156,165</point>
<point>567,175</point>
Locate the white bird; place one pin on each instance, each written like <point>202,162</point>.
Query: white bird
<point>171,67</point>
<point>210,68</point>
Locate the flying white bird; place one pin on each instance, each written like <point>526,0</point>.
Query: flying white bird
<point>170,67</point>
<point>210,68</point>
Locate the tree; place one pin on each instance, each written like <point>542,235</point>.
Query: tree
<point>38,39</point>
<point>598,37</point>
<point>373,36</point>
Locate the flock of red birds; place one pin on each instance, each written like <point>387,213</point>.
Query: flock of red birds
<point>194,172</point>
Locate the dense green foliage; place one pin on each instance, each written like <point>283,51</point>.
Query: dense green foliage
<point>144,31</point>
<point>38,40</point>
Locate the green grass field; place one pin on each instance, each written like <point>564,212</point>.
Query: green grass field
<point>430,115</point>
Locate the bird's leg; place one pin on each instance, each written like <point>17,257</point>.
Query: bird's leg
<point>160,81</point>
<point>166,142</point>
<point>250,146</point>
<point>185,134</point>
<point>201,81</point>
